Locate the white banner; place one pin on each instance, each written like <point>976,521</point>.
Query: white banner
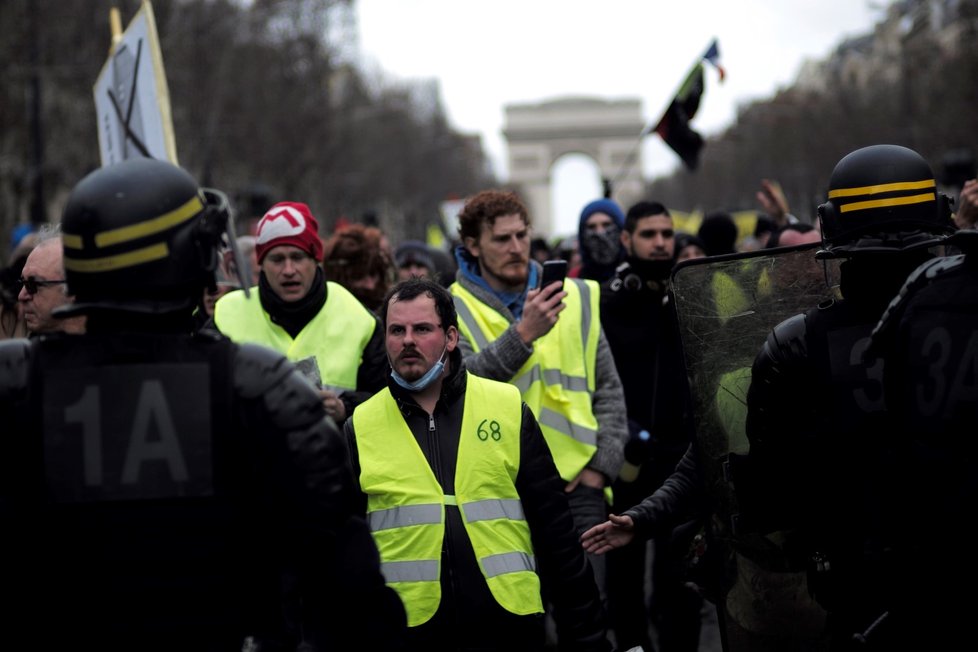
<point>132,100</point>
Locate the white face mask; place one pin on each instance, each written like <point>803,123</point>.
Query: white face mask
<point>426,379</point>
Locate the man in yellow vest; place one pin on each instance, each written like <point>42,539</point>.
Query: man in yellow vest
<point>549,343</point>
<point>315,323</point>
<point>462,495</point>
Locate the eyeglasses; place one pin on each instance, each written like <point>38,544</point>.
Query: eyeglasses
<point>32,285</point>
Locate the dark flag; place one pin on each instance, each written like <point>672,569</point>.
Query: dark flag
<point>673,127</point>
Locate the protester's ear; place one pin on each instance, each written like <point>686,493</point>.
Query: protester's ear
<point>451,337</point>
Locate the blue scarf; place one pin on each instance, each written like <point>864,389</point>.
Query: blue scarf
<point>469,265</point>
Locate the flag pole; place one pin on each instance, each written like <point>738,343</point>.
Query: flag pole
<point>609,186</point>
<point>115,25</point>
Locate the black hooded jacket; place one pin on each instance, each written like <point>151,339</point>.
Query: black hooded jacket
<point>639,319</point>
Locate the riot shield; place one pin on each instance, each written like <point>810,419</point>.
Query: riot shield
<point>726,307</point>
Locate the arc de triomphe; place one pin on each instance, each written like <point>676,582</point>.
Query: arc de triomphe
<point>537,135</point>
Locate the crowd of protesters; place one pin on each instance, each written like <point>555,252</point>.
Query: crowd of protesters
<point>505,549</point>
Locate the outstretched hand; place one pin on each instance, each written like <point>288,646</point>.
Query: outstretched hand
<point>772,201</point>
<point>966,217</point>
<point>540,311</point>
<point>616,532</point>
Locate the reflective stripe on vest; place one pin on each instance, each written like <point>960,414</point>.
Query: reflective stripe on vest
<point>406,504</point>
<point>335,337</point>
<point>410,571</point>
<point>404,516</point>
<point>557,381</point>
<point>487,510</point>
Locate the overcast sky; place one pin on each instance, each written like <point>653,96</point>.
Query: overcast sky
<point>487,54</point>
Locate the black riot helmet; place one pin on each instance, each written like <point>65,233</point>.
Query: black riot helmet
<point>141,236</point>
<point>882,199</point>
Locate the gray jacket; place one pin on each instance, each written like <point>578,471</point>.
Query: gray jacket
<point>506,355</point>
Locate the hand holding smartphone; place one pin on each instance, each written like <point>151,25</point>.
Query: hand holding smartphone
<point>553,270</point>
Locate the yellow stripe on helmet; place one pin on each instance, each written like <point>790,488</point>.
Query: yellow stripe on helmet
<point>120,261</point>
<point>71,241</point>
<point>881,188</point>
<point>150,226</point>
<point>892,201</point>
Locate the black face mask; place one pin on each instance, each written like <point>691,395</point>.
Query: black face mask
<point>651,270</point>
<point>603,246</point>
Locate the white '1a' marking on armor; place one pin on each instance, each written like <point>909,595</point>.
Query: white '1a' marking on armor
<point>153,415</point>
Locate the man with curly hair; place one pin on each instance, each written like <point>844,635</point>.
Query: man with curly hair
<point>546,341</point>
<point>356,259</point>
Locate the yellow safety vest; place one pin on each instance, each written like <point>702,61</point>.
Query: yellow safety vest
<point>406,504</point>
<point>335,337</point>
<point>557,381</point>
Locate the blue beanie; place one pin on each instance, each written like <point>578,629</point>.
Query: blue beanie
<point>608,207</point>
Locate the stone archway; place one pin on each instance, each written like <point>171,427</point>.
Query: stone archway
<point>605,130</point>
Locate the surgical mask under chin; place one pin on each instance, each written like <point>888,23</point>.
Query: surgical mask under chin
<point>425,380</point>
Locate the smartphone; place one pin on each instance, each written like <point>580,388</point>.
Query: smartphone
<point>553,270</point>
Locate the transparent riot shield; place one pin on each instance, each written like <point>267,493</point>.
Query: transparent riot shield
<point>726,307</point>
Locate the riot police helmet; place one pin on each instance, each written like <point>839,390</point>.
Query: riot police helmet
<point>141,236</point>
<point>882,199</point>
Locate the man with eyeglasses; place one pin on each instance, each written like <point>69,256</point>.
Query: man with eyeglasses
<point>43,287</point>
<point>315,323</point>
<point>463,497</point>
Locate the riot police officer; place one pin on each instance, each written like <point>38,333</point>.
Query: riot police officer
<point>162,490</point>
<point>927,341</point>
<point>818,467</point>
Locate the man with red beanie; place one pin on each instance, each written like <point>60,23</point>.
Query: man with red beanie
<point>317,324</point>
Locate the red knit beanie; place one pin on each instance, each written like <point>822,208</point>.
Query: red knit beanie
<point>288,223</point>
